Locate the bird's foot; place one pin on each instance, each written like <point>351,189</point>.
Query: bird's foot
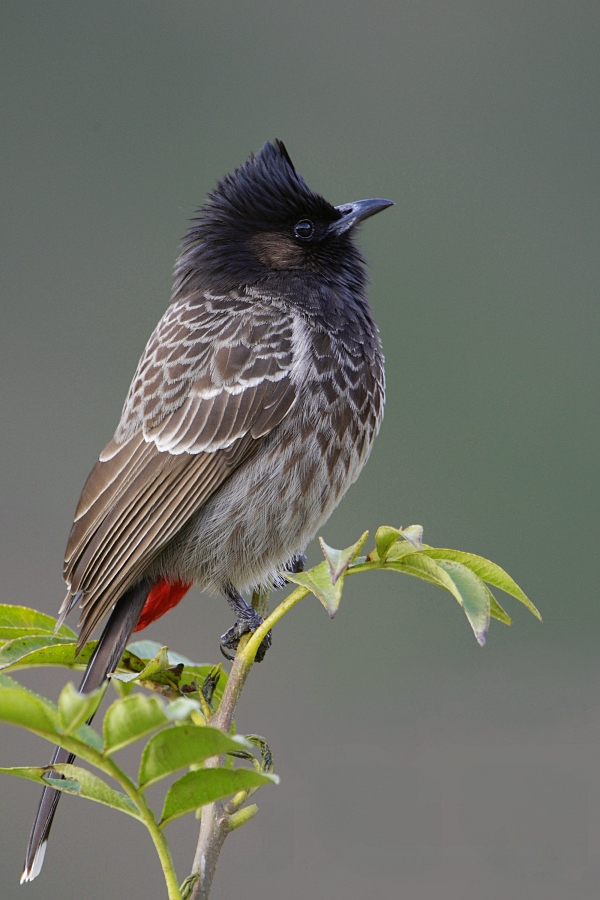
<point>231,639</point>
<point>248,620</point>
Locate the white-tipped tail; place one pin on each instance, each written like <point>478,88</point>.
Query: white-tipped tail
<point>103,662</point>
<point>32,871</point>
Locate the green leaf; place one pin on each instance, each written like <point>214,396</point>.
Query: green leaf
<point>203,786</point>
<point>57,650</point>
<point>42,650</point>
<point>420,566</point>
<point>170,680</point>
<point>67,785</point>
<point>395,551</point>
<point>181,746</point>
<point>487,571</point>
<point>77,781</point>
<point>339,560</point>
<point>74,709</point>
<point>318,581</point>
<point>326,581</point>
<point>462,583</point>
<point>23,707</point>
<point>182,708</point>
<point>398,550</point>
<point>402,557</point>
<point>158,663</point>
<point>122,688</point>
<point>149,649</point>
<point>385,536</point>
<point>198,674</point>
<point>93,788</point>
<point>32,773</point>
<point>130,719</point>
<point>472,595</point>
<point>496,611</point>
<point>54,650</point>
<point>394,542</point>
<point>7,681</point>
<point>156,674</point>
<point>155,666</point>
<point>414,535</point>
<point>90,737</point>
<point>19,621</point>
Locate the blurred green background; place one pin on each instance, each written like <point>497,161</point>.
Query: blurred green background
<point>414,764</point>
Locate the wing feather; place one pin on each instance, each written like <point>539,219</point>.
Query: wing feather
<point>104,550</point>
<point>189,493</point>
<point>107,480</point>
<point>217,375</point>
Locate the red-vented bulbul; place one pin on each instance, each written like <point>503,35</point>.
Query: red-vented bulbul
<point>252,410</point>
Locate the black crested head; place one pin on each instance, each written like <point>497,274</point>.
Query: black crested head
<point>266,192</point>
<point>264,228</point>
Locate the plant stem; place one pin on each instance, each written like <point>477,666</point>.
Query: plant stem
<point>162,849</point>
<point>214,825</point>
<point>109,767</point>
<point>248,650</point>
<point>149,820</point>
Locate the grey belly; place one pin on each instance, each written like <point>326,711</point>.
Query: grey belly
<point>270,508</point>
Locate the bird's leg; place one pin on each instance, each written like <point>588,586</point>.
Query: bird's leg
<point>248,620</point>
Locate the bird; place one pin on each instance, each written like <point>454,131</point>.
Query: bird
<point>253,409</point>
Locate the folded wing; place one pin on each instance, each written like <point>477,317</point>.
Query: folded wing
<point>217,376</point>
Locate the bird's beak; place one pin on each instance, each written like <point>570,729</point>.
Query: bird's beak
<point>353,213</point>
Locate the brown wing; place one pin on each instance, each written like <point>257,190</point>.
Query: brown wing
<point>216,376</point>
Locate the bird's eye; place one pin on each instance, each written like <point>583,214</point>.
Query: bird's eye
<point>304,229</point>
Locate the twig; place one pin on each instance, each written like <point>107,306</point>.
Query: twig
<point>214,825</point>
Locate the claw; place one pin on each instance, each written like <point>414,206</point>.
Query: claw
<point>248,620</point>
<point>231,638</point>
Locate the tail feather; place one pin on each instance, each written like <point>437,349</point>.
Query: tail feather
<point>107,654</point>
